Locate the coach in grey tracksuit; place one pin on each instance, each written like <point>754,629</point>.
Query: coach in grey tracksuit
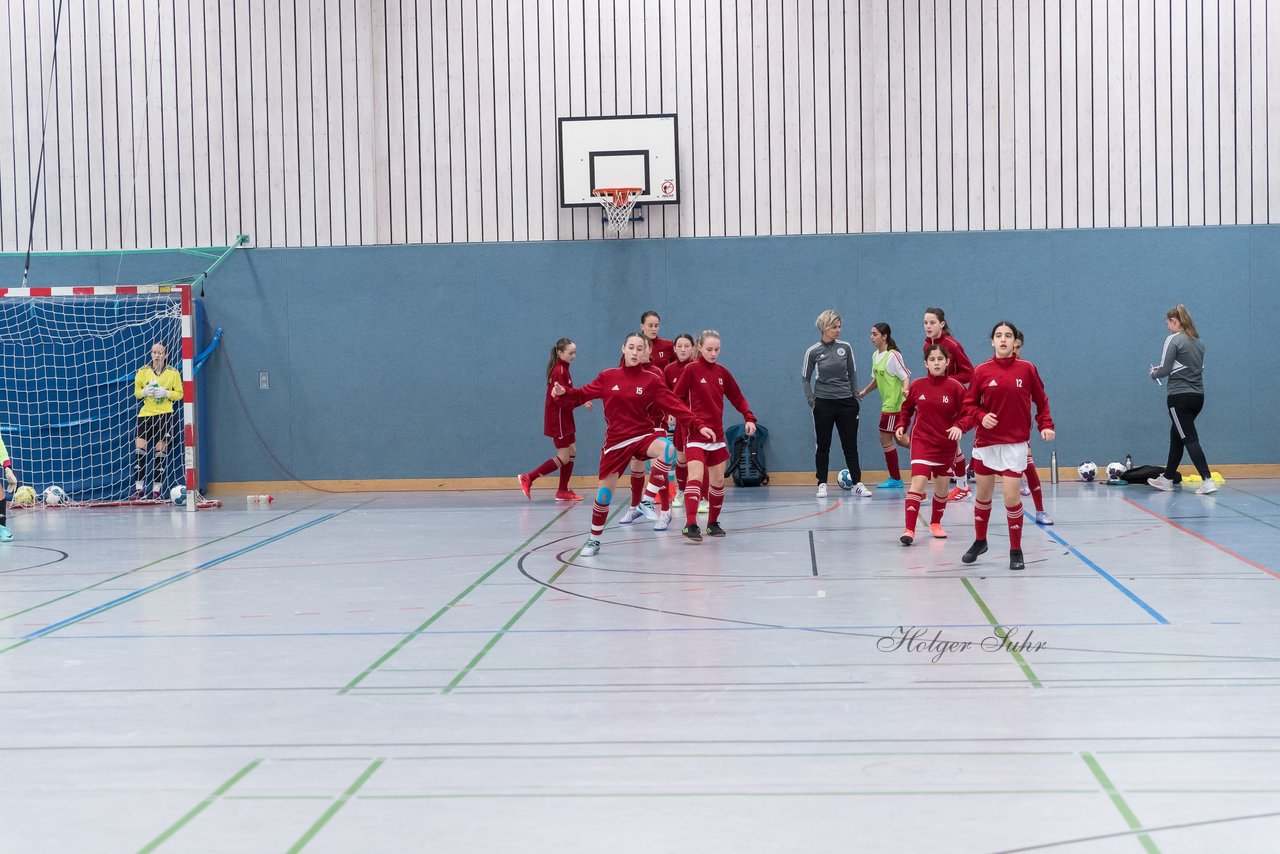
<point>1182,362</point>
<point>830,378</point>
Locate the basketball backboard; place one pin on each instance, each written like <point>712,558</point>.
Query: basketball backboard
<point>619,151</point>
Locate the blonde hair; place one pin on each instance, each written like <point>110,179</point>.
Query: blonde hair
<point>1184,319</point>
<point>707,333</point>
<point>827,319</point>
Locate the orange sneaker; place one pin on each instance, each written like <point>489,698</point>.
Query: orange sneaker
<point>567,495</point>
<point>937,531</point>
<point>958,494</point>
<point>525,482</point>
<point>907,538</point>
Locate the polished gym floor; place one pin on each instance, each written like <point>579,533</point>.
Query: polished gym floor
<point>442,672</point>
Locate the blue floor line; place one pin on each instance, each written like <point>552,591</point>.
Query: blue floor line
<point>38,633</point>
<point>1125,590</point>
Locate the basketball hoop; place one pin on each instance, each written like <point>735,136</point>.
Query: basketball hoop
<point>617,203</point>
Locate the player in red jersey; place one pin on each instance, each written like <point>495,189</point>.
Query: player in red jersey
<point>557,424</point>
<point>685,348</point>
<point>662,351</point>
<point>1032,486</point>
<point>632,395</point>
<point>999,401</point>
<point>704,385</point>
<point>936,331</point>
<point>936,403</point>
<point>642,495</point>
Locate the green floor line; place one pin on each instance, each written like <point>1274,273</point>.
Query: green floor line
<point>368,671</point>
<point>199,808</point>
<point>479,656</point>
<point>154,562</point>
<point>335,806</point>
<point>1003,635</point>
<point>1118,800</point>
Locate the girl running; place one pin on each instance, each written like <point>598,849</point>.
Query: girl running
<point>889,376</point>
<point>936,403</point>
<point>684,348</point>
<point>936,331</point>
<point>704,385</point>
<point>999,401</point>
<point>1032,486</point>
<point>633,396</point>
<point>1183,363</point>
<point>557,424</point>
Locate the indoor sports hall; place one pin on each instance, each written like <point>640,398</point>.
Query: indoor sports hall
<point>303,550</point>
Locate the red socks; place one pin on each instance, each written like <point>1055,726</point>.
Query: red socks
<point>981,516</point>
<point>939,505</point>
<point>546,468</point>
<point>913,509</point>
<point>692,495</point>
<point>715,496</point>
<point>1014,515</point>
<point>891,460</point>
<point>1033,483</point>
<point>657,488</point>
<point>566,472</point>
<point>637,488</point>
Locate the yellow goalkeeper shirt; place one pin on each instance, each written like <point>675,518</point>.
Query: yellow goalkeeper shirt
<point>169,380</point>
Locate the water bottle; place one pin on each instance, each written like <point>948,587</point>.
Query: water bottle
<point>1128,461</point>
<point>1053,466</point>
<point>259,499</point>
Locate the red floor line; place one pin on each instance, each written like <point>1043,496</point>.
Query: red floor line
<point>1204,539</point>
<point>797,519</point>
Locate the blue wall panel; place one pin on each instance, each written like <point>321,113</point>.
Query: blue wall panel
<point>427,361</point>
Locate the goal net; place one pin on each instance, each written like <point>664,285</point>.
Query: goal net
<point>68,414</point>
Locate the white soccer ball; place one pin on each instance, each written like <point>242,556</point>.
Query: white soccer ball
<point>1088,471</point>
<point>1115,470</point>
<point>844,479</point>
<point>54,495</point>
<point>178,495</point>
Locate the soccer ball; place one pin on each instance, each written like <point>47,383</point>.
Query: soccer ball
<point>178,495</point>
<point>1115,470</point>
<point>1088,471</point>
<point>24,496</point>
<point>844,479</point>
<point>54,495</point>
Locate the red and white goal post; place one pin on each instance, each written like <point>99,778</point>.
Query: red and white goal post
<point>68,357</point>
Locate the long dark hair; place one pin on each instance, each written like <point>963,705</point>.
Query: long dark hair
<point>929,351</point>
<point>883,329</point>
<point>560,347</point>
<point>1017,333</point>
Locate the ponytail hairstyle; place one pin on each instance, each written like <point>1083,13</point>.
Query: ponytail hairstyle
<point>1184,317</point>
<point>928,351</point>
<point>560,347</point>
<point>706,333</point>
<point>883,329</point>
<point>942,318</point>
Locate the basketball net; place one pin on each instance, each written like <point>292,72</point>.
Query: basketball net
<point>617,203</point>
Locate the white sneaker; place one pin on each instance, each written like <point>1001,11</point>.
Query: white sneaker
<point>647,508</point>
<point>1043,518</point>
<point>861,491</point>
<point>704,507</point>
<point>663,521</point>
<point>632,514</point>
<point>1161,483</point>
<point>1024,490</point>
<point>678,501</point>
<point>590,548</point>
<point>822,490</point>
<point>1208,487</point>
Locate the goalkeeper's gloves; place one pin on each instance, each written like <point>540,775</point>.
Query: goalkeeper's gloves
<point>158,392</point>
<point>10,478</point>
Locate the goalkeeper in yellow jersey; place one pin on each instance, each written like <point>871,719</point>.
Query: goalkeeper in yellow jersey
<point>158,385</point>
<point>10,484</point>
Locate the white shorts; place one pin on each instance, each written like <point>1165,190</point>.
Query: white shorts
<point>1003,457</point>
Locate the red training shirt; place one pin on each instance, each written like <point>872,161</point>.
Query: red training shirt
<point>959,367</point>
<point>557,420</point>
<point>937,405</point>
<point>705,386</point>
<point>1007,387</point>
<point>633,400</point>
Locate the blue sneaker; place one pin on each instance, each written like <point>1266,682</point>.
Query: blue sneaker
<point>5,536</point>
<point>891,483</point>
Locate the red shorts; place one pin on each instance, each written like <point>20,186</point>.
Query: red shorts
<point>889,421</point>
<point>979,467</point>
<point>564,441</point>
<point>693,453</point>
<point>926,470</point>
<point>680,437</point>
<point>619,460</point>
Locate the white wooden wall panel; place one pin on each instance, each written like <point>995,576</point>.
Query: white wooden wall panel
<point>336,122</point>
